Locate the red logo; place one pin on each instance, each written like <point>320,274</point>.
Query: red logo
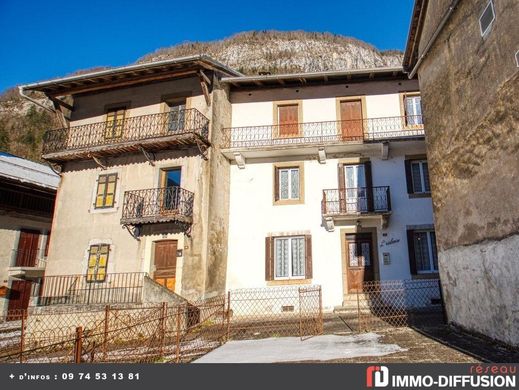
<point>377,376</point>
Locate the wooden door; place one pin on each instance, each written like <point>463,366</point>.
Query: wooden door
<point>19,296</point>
<point>27,252</point>
<point>288,120</point>
<point>359,260</point>
<point>351,120</point>
<point>165,260</point>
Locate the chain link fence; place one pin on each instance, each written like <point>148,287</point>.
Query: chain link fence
<point>162,332</point>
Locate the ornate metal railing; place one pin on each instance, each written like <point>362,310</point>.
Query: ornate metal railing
<point>189,121</point>
<point>156,205</point>
<point>126,287</point>
<point>372,129</point>
<point>345,201</point>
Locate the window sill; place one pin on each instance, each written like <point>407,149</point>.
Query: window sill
<point>420,195</point>
<point>106,210</point>
<point>428,275</point>
<point>286,202</point>
<point>287,282</point>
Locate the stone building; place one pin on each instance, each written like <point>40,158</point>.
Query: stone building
<point>144,188</point>
<point>466,56</point>
<point>27,193</point>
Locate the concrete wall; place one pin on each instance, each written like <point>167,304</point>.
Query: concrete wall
<point>10,225</point>
<point>470,92</point>
<point>253,216</point>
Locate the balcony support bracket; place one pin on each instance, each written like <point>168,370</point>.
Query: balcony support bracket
<point>56,168</point>
<point>204,84</point>
<point>384,150</point>
<point>240,160</point>
<point>321,153</point>
<point>385,221</point>
<point>150,157</point>
<point>202,148</point>
<point>135,231</point>
<point>329,224</point>
<point>99,162</point>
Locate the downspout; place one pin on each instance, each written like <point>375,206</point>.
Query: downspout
<point>437,32</point>
<point>20,91</point>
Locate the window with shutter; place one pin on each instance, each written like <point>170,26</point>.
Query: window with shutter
<point>413,110</point>
<point>105,194</point>
<point>288,184</point>
<point>115,122</point>
<point>417,176</point>
<point>288,257</point>
<point>424,251</point>
<point>97,262</point>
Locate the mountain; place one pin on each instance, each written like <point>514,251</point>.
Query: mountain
<point>22,124</point>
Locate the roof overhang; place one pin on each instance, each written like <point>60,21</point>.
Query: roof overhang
<point>315,78</point>
<point>131,75</point>
<point>413,36</point>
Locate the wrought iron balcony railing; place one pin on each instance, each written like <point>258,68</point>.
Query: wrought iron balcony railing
<point>361,200</point>
<point>124,287</point>
<point>157,205</point>
<point>331,132</point>
<point>138,128</point>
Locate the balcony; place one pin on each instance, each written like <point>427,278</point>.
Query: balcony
<point>152,132</point>
<point>28,264</point>
<point>157,205</point>
<point>337,136</point>
<point>356,204</point>
<point>81,290</point>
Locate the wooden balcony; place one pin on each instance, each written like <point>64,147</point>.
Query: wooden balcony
<point>157,205</point>
<point>151,133</point>
<point>356,204</point>
<point>336,136</point>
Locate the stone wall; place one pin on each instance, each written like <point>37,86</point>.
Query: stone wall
<point>470,91</point>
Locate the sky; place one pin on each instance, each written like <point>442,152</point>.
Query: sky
<point>44,39</point>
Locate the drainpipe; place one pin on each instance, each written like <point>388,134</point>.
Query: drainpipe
<point>20,91</point>
<point>437,32</point>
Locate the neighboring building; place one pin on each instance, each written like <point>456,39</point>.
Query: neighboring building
<point>329,182</point>
<point>27,193</point>
<point>144,187</point>
<point>466,54</point>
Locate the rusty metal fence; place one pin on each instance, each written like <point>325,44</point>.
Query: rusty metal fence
<point>161,332</point>
<point>398,303</point>
<point>275,312</point>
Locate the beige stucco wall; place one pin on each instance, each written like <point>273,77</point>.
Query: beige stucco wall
<point>470,90</point>
<point>10,225</point>
<point>77,224</point>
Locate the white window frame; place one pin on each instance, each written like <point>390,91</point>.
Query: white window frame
<point>289,170</point>
<point>431,269</point>
<point>290,276</point>
<point>487,30</point>
<point>422,176</point>
<point>412,117</point>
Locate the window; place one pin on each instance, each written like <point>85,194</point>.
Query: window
<point>413,110</point>
<point>487,18</point>
<point>417,177</point>
<point>177,115</point>
<point>288,183</point>
<point>288,257</point>
<point>105,194</point>
<point>115,122</point>
<point>423,254</point>
<point>97,262</point>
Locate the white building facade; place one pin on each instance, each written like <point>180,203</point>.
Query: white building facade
<point>329,182</point>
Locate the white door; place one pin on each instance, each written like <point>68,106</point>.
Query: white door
<point>356,195</point>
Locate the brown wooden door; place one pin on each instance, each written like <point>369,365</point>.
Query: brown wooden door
<point>359,260</point>
<point>27,252</point>
<point>19,296</point>
<point>165,260</point>
<point>288,117</point>
<point>351,120</point>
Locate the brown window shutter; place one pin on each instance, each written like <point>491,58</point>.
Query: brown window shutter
<point>308,253</point>
<point>276,183</point>
<point>410,247</point>
<point>269,258</point>
<point>342,186</point>
<point>408,177</point>
<point>369,184</point>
